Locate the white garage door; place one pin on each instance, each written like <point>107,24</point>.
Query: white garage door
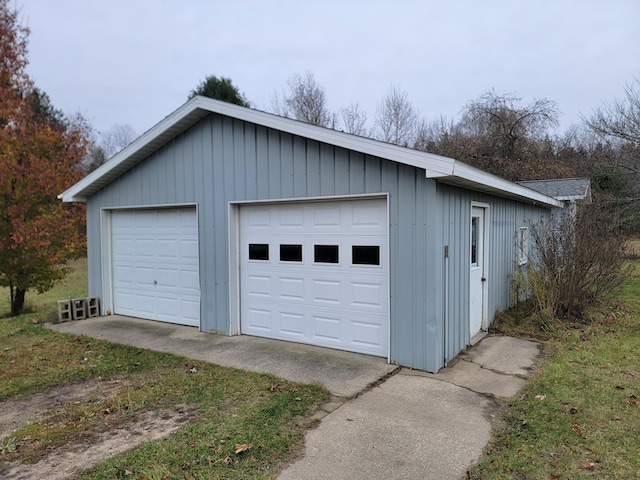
<point>155,265</point>
<point>316,273</point>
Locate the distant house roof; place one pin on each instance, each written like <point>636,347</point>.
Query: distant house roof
<point>443,169</point>
<point>572,189</point>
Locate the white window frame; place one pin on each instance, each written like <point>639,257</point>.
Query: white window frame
<point>523,245</point>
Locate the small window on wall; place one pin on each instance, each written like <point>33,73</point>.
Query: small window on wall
<point>290,253</point>
<point>258,251</point>
<point>523,245</point>
<point>325,253</point>
<point>365,255</point>
<point>474,241</point>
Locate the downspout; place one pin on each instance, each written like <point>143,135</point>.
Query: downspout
<point>445,310</point>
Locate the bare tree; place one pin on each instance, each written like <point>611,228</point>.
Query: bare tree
<point>396,118</point>
<point>506,124</point>
<point>430,136</point>
<point>620,119</point>
<point>94,158</point>
<point>354,119</point>
<point>116,138</point>
<point>101,147</point>
<point>617,126</point>
<point>305,100</point>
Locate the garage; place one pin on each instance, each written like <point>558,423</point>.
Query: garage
<point>155,272</point>
<point>316,273</point>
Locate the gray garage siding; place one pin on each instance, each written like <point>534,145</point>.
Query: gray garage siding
<point>505,218</point>
<point>220,160</point>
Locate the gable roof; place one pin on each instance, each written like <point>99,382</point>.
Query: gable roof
<point>443,169</point>
<point>573,189</point>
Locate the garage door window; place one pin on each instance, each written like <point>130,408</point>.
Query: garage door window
<point>325,253</point>
<point>290,253</point>
<point>365,255</point>
<point>258,251</point>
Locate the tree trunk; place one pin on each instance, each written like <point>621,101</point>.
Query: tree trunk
<point>17,300</point>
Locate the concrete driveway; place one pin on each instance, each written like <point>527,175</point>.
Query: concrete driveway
<point>383,421</point>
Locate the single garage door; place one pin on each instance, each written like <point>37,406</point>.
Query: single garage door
<point>317,273</point>
<point>155,265</point>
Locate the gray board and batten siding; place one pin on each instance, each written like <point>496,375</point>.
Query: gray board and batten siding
<point>218,162</point>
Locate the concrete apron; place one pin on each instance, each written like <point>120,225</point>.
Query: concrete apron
<point>344,374</point>
<point>409,425</point>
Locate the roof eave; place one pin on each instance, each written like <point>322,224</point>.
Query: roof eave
<point>446,169</point>
<point>149,142</point>
<point>469,177</point>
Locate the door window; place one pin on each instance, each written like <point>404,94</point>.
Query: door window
<point>474,241</point>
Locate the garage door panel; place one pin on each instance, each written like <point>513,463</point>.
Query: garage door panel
<point>258,319</point>
<point>168,277</point>
<point>291,217</point>
<point>190,311</point>
<point>292,324</point>
<point>189,250</point>
<point>168,307</point>
<point>328,329</point>
<point>338,305</point>
<point>292,288</point>
<point>145,248</point>
<point>259,286</point>
<point>155,265</point>
<point>327,215</point>
<point>326,291</point>
<point>190,281</point>
<point>367,218</point>
<point>145,303</point>
<point>367,295</point>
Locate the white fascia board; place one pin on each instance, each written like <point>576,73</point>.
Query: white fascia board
<point>435,166</point>
<point>198,107</point>
<point>436,163</point>
<point>127,157</point>
<point>480,177</point>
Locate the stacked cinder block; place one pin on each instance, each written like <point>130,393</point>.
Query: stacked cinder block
<point>78,308</point>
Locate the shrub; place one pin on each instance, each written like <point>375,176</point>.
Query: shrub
<point>577,261</point>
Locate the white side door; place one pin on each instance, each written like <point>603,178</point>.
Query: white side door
<point>477,261</point>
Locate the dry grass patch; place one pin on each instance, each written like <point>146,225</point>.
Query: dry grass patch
<point>72,403</point>
<point>579,416</point>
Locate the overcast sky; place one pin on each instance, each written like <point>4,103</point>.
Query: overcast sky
<point>135,61</point>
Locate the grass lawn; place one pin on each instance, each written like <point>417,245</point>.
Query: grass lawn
<point>262,416</point>
<point>579,416</point>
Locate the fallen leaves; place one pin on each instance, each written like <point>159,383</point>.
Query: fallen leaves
<point>243,447</point>
<point>576,429</point>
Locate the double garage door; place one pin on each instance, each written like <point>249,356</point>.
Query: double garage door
<point>155,265</point>
<point>316,273</point>
<point>310,272</point>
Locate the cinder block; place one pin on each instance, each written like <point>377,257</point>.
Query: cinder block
<point>64,310</point>
<point>93,309</point>
<point>79,307</point>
